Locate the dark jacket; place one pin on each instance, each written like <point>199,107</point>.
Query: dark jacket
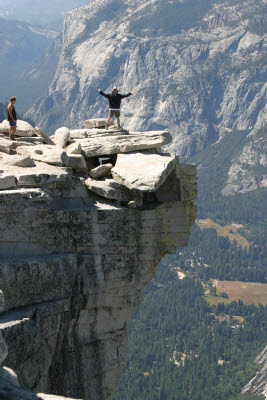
<point>115,99</point>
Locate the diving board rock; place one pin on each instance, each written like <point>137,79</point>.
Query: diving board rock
<point>99,146</point>
<point>95,123</point>
<point>86,133</point>
<point>23,128</point>
<point>143,172</point>
<point>45,153</point>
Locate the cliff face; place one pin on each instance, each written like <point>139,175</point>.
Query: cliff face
<point>258,384</point>
<point>74,264</point>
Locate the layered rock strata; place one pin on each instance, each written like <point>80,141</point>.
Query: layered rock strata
<point>75,258</point>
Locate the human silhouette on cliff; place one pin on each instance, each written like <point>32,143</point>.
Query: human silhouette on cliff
<point>12,117</point>
<point>114,99</point>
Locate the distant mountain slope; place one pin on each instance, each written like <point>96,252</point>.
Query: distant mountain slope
<point>24,50</point>
<point>197,67</point>
<point>49,13</point>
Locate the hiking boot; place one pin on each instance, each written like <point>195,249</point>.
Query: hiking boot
<point>106,127</point>
<point>119,126</point>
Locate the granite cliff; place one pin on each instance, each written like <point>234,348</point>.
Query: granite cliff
<point>197,67</point>
<point>86,215</point>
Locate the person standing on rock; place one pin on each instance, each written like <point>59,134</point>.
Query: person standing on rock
<point>12,117</point>
<point>114,99</point>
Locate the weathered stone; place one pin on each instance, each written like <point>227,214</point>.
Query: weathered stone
<point>7,181</point>
<point>5,145</point>
<point>94,132</point>
<point>2,301</point>
<point>74,148</point>
<point>109,189</point>
<point>26,282</point>
<point>94,123</point>
<point>45,153</point>
<point>132,204</point>
<point>77,162</point>
<point>186,169</point>
<point>124,143</point>
<point>30,140</point>
<point>143,172</point>
<point>38,175</point>
<point>101,171</point>
<point>61,137</point>
<point>45,137</point>
<point>23,128</point>
<point>16,161</point>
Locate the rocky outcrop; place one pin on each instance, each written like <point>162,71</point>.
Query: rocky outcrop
<point>76,254</point>
<point>258,384</point>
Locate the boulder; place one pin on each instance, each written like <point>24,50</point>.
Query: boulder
<point>16,160</point>
<point>45,153</point>
<point>142,172</point>
<point>95,123</point>
<point>5,145</point>
<point>101,171</point>
<point>7,181</point>
<point>77,162</point>
<point>45,138</point>
<point>105,145</point>
<point>109,189</point>
<point>74,148</point>
<point>37,176</point>
<point>23,128</point>
<point>61,137</point>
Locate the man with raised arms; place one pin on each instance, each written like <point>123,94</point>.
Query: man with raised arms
<point>114,99</point>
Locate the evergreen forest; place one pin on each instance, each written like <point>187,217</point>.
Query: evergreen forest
<point>182,347</point>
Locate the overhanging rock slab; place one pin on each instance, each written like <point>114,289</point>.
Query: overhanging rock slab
<point>106,145</point>
<point>143,172</point>
<point>109,188</point>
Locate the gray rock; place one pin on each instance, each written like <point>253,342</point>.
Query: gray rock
<point>16,161</point>
<point>77,162</point>
<point>31,140</point>
<point>45,153</point>
<point>38,176</point>
<point>45,137</point>
<point>74,148</point>
<point>61,137</point>
<point>86,133</point>
<point>94,123</point>
<point>109,189</point>
<point>7,181</point>
<point>5,145</point>
<point>101,171</point>
<point>124,143</point>
<point>23,128</point>
<point>2,301</point>
<point>143,172</point>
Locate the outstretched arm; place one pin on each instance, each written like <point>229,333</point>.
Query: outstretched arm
<point>102,93</point>
<point>126,95</point>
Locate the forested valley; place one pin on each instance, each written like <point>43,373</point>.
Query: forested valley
<point>187,341</point>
